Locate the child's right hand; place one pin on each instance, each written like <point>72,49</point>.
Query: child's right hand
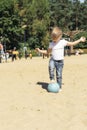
<point>37,49</point>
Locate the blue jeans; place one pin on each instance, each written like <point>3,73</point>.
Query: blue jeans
<point>58,65</point>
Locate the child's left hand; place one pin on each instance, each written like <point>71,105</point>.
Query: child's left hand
<point>83,39</point>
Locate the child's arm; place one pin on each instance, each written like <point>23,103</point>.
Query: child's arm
<point>44,51</point>
<point>41,51</point>
<point>82,39</point>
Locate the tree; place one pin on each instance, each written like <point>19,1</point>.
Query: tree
<point>38,21</point>
<point>61,12</point>
<point>9,25</point>
<point>39,17</point>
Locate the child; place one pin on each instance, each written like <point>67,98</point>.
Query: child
<point>56,47</point>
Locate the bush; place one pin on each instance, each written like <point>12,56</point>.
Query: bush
<point>34,53</point>
<point>85,50</point>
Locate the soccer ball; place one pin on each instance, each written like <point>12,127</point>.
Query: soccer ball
<point>53,87</point>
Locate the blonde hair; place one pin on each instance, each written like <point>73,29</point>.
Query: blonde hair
<point>56,34</point>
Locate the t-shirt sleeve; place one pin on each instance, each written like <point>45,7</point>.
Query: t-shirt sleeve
<point>65,42</point>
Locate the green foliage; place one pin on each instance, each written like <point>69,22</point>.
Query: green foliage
<point>29,22</point>
<point>81,45</point>
<point>10,23</point>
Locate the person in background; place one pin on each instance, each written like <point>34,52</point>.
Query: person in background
<point>14,54</point>
<point>1,51</point>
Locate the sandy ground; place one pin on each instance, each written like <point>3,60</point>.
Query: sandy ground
<point>25,103</point>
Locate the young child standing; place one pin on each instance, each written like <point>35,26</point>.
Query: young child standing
<point>56,48</point>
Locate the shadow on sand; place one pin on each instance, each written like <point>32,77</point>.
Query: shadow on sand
<point>43,85</point>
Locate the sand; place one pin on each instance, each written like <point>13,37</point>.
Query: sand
<point>25,103</point>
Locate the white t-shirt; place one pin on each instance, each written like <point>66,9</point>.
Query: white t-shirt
<point>58,49</point>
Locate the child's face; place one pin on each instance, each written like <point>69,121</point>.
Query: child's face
<point>57,39</point>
